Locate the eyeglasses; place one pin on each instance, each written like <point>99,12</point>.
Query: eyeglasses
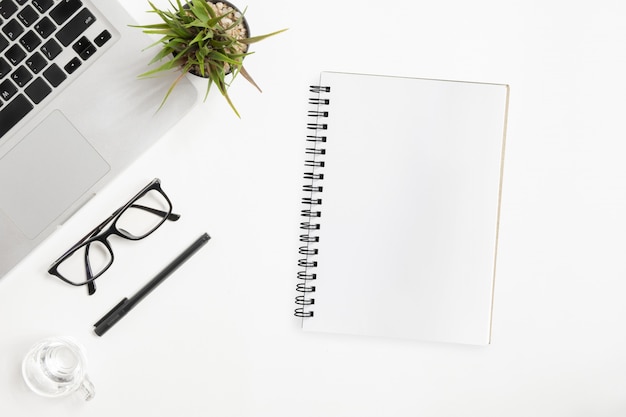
<point>91,256</point>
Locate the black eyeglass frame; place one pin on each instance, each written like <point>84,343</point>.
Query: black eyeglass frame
<point>98,235</point>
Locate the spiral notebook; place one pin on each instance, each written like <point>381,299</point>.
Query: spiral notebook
<point>401,206</point>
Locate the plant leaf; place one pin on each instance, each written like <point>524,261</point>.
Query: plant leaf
<point>200,12</point>
<point>261,37</point>
<point>245,74</point>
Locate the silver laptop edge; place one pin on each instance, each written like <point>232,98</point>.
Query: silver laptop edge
<point>106,104</point>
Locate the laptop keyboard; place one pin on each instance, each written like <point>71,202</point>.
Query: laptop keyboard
<point>42,45</point>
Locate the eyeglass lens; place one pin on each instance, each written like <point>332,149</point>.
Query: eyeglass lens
<point>144,215</point>
<point>94,257</point>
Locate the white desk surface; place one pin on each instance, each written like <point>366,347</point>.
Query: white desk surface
<point>219,338</point>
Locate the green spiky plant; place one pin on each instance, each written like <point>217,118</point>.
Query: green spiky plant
<point>200,41</point>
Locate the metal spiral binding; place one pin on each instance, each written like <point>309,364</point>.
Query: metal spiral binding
<point>312,201</point>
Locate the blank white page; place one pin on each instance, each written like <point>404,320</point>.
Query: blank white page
<point>410,208</point>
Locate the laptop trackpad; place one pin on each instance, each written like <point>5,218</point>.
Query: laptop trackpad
<point>59,166</point>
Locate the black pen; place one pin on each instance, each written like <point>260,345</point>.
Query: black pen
<point>120,310</point>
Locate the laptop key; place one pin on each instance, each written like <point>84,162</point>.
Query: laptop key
<point>21,76</point>
<point>54,75</point>
<point>3,42</point>
<point>22,2</point>
<point>72,66</point>
<point>36,63</point>
<point>12,113</point>
<point>45,27</point>
<point>5,68</point>
<point>30,41</point>
<point>7,8</point>
<point>102,38</point>
<point>51,49</point>
<point>38,90</point>
<point>28,16</point>
<point>65,10</point>
<point>75,27</point>
<point>13,29</point>
<point>15,54</point>
<point>7,90</point>
<point>43,5</point>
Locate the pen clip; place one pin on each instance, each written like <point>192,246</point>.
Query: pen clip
<point>110,313</point>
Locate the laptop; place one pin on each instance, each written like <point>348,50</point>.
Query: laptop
<point>73,113</point>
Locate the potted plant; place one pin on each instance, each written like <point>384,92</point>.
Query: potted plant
<point>203,38</point>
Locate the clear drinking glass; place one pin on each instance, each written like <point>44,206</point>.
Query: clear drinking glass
<point>56,367</point>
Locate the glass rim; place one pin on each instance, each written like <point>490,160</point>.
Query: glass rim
<point>162,214</point>
<point>86,279</point>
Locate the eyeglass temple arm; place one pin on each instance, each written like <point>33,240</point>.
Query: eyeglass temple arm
<point>91,285</point>
<point>171,216</point>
